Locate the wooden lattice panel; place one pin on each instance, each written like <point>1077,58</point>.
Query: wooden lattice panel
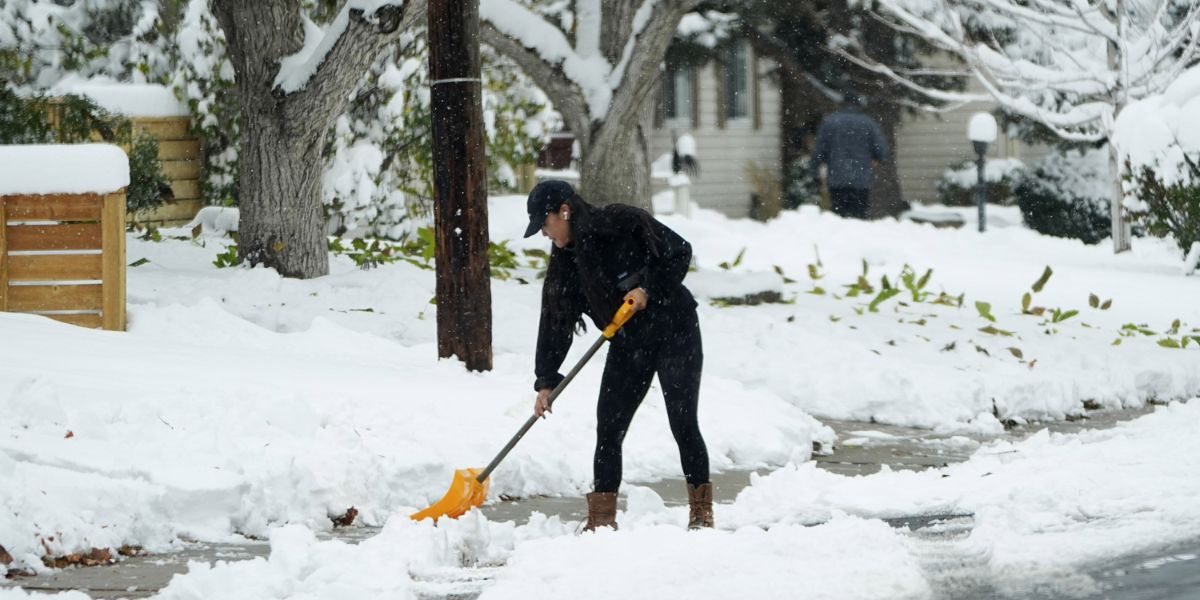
<point>63,256</point>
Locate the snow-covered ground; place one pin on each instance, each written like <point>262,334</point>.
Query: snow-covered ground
<point>239,401</point>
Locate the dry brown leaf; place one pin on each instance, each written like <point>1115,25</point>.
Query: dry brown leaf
<point>346,519</point>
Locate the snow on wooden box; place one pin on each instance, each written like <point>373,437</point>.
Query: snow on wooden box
<point>153,110</point>
<point>62,232</point>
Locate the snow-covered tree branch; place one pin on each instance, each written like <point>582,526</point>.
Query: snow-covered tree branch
<point>292,81</point>
<point>599,80</point>
<point>1071,65</point>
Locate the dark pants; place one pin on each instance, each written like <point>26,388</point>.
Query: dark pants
<point>678,359</point>
<point>850,202</point>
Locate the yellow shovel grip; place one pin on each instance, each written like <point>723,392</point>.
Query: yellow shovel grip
<point>619,319</point>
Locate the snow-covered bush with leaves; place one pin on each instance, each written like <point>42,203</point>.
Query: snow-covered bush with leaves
<point>1159,142</point>
<point>40,42</point>
<point>380,156</point>
<point>1067,194</point>
<point>203,77</point>
<point>379,164</point>
<point>956,187</point>
<point>1172,209</point>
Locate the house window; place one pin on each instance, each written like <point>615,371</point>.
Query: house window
<point>737,81</point>
<point>677,93</point>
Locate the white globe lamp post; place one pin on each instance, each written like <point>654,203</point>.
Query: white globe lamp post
<point>981,130</point>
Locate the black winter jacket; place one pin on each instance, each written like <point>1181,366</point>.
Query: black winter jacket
<point>614,249</point>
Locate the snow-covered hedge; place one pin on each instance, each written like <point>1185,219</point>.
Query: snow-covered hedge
<point>1067,194</point>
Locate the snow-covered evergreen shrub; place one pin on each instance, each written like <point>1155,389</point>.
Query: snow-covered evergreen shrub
<point>1067,194</point>
<point>957,184</point>
<point>1171,209</point>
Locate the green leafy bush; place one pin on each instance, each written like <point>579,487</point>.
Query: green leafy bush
<point>1171,210</point>
<point>148,186</point>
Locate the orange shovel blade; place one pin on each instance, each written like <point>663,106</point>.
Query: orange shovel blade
<point>465,493</point>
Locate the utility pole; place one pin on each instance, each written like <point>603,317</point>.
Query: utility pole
<point>464,293</point>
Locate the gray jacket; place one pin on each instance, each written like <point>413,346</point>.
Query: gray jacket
<point>848,141</point>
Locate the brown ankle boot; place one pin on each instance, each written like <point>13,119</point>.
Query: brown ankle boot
<point>602,510</point>
<point>700,500</point>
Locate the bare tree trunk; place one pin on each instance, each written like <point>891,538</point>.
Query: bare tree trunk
<point>1122,233</point>
<point>464,292</point>
<point>282,218</point>
<point>1122,236</point>
<point>616,165</point>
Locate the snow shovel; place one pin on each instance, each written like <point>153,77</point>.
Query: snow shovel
<point>469,486</point>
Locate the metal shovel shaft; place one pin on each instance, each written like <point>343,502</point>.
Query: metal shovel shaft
<point>483,475</point>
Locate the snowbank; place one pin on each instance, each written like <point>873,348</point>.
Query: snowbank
<point>62,169</point>
<point>239,401</point>
<point>1045,510</point>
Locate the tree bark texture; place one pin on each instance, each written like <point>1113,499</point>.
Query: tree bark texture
<point>464,293</point>
<point>282,221</point>
<point>615,163</point>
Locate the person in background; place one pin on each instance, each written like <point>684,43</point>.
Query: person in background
<point>603,257</point>
<point>851,145</point>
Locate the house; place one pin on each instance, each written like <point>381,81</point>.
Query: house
<point>734,112</point>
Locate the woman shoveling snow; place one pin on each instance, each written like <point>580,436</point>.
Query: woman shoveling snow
<point>603,257</point>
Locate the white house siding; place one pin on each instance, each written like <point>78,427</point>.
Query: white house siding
<point>725,153</point>
<point>928,144</point>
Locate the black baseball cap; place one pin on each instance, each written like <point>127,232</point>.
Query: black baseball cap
<point>545,198</point>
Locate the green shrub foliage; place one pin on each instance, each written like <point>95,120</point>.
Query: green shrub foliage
<point>1171,209</point>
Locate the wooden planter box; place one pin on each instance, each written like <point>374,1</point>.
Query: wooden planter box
<point>182,162</point>
<point>63,256</point>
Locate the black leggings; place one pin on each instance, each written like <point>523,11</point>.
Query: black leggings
<point>678,359</point>
<point>850,202</point>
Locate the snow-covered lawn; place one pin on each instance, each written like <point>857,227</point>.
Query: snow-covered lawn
<point>239,401</point>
